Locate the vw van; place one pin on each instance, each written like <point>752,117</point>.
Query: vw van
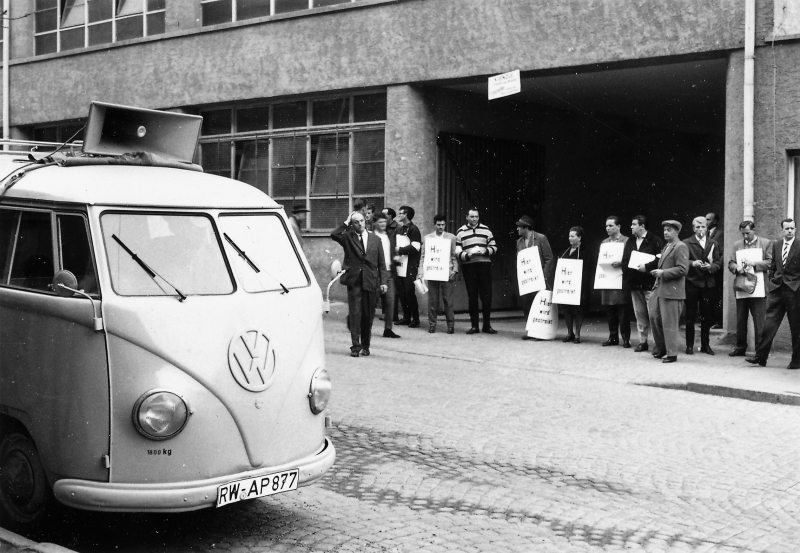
<point>161,344</point>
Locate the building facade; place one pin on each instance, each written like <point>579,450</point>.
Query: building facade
<point>626,107</point>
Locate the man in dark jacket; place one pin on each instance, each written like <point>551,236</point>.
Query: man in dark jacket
<point>365,277</point>
<point>405,284</point>
<point>705,260</point>
<point>639,280</point>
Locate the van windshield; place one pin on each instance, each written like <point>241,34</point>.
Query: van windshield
<point>270,261</point>
<point>182,250</point>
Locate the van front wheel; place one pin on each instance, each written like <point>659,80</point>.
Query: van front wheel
<point>24,491</point>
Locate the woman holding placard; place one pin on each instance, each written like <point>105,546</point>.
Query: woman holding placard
<point>573,314</point>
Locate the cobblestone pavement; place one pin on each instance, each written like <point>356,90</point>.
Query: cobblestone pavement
<point>478,443</point>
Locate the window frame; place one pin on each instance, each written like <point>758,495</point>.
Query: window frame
<point>234,10</point>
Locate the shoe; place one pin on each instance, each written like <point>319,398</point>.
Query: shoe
<point>756,361</point>
<point>577,340</point>
<point>717,327</point>
<point>641,347</point>
<point>381,318</point>
<point>403,322</point>
<point>626,344</point>
<point>570,338</point>
<point>528,338</point>
<point>432,329</point>
<point>659,355</point>
<point>365,352</point>
<point>738,352</point>
<point>488,330</point>
<point>793,366</point>
<point>389,333</point>
<point>689,350</point>
<point>707,350</point>
<point>610,342</point>
<point>473,330</point>
<point>670,359</point>
<point>353,354</point>
<point>451,330</point>
<point>414,324</point>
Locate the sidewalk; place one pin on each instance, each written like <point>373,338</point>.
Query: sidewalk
<point>718,375</point>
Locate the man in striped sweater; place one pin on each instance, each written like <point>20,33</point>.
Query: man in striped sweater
<point>475,247</point>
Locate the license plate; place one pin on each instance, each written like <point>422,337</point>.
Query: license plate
<point>259,486</point>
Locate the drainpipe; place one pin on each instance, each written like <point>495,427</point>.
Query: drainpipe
<point>749,89</point>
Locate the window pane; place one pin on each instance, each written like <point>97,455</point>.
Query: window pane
<point>331,112</point>
<point>8,229</point>
<point>46,44</point>
<point>66,132</point>
<point>321,3</point>
<point>248,9</point>
<point>330,160</point>
<point>370,107</point>
<point>182,249</point>
<point>155,23</point>
<point>252,158</point>
<point>100,34</point>
<point>130,27</point>
<point>252,119</point>
<point>368,146</point>
<point>289,167</point>
<point>368,178</point>
<point>73,13</point>
<point>153,5</point>
<point>129,7</point>
<point>217,12</point>
<point>32,266</point>
<point>76,255</point>
<point>46,20</point>
<point>328,214</point>
<point>216,158</point>
<point>45,4</point>
<point>73,38</point>
<point>286,116</point>
<point>216,122</point>
<point>266,240</point>
<point>46,134</point>
<point>99,10</point>
<point>283,6</point>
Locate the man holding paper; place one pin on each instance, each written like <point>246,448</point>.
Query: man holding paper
<point>529,238</point>
<point>705,259</point>
<point>638,259</point>
<point>439,268</point>
<point>617,299</point>
<point>475,247</point>
<point>409,244</point>
<point>755,257</point>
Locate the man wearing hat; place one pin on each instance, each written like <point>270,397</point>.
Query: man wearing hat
<point>529,238</point>
<point>297,220</point>
<point>668,294</point>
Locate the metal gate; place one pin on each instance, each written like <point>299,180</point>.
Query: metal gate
<point>504,180</point>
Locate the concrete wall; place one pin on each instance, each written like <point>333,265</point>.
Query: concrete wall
<point>403,42</point>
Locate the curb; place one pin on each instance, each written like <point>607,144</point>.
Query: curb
<point>726,391</point>
<point>11,542</point>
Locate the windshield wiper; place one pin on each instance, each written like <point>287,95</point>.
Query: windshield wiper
<point>252,265</point>
<point>146,268</point>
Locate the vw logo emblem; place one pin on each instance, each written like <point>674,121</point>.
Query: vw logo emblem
<point>252,360</point>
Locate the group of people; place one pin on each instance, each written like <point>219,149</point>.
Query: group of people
<point>681,277</point>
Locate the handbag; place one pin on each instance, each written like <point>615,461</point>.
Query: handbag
<point>745,282</point>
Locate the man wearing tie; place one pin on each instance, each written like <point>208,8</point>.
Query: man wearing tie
<point>784,296</point>
<point>704,262</point>
<point>365,276</point>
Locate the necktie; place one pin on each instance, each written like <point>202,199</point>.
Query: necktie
<point>361,237</point>
<point>785,252</point>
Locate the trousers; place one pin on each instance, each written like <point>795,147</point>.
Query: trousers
<point>665,315</point>
<point>756,308</point>
<point>362,311</point>
<point>437,289</point>
<point>618,317</point>
<point>783,302</point>
<point>705,298</point>
<point>478,280</point>
<point>640,299</point>
<point>408,298</point>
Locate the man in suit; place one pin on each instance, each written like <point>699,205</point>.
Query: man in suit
<point>668,294</point>
<point>528,238</point>
<point>784,296</point>
<point>365,277</point>
<point>715,233</point>
<point>639,280</point>
<point>405,284</point>
<point>379,222</point>
<point>705,260</point>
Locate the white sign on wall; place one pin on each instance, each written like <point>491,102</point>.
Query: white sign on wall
<point>504,85</point>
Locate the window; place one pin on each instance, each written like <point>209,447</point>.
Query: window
<point>62,25</point>
<point>75,251</point>
<point>319,153</point>
<point>225,11</point>
<point>793,200</point>
<point>58,134</point>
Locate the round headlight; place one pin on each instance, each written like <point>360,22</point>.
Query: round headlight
<point>320,391</point>
<point>159,414</point>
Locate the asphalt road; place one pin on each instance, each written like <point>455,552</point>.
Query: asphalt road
<point>463,443</point>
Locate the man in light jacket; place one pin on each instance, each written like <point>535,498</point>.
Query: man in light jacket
<point>669,292</point>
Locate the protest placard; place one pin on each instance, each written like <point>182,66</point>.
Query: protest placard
<point>639,258</point>
<point>751,255</point>
<point>402,267</point>
<point>530,276</point>
<point>436,260</point>
<point>543,318</point>
<point>567,286</point>
<point>607,277</point>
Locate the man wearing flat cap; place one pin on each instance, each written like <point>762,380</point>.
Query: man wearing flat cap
<point>529,238</point>
<point>297,220</point>
<point>668,294</point>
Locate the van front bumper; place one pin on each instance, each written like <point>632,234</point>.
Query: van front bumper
<point>177,496</point>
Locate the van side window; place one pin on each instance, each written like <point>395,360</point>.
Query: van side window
<point>8,230</point>
<point>76,255</point>
<point>32,261</point>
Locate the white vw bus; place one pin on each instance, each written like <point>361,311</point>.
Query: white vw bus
<point>161,342</point>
